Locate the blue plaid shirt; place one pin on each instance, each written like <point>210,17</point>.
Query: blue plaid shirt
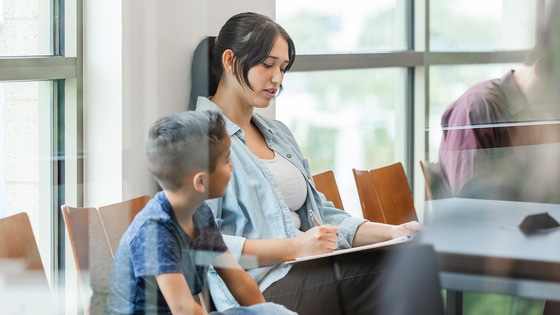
<point>156,244</point>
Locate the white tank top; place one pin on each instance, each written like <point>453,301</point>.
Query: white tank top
<point>290,182</point>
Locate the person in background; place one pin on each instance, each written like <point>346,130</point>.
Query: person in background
<point>268,207</point>
<point>497,129</point>
<point>163,257</point>
<point>501,138</point>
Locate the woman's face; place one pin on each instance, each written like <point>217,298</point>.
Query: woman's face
<point>266,77</point>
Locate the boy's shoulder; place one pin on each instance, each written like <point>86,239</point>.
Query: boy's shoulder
<point>204,212</point>
<point>155,211</point>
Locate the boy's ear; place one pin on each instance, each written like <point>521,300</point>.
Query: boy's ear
<point>227,61</point>
<point>199,182</point>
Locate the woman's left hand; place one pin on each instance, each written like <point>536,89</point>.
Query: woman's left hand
<point>408,228</point>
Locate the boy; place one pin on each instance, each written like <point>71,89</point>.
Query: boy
<point>164,255</point>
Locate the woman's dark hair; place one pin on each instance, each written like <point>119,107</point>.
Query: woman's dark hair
<point>250,36</point>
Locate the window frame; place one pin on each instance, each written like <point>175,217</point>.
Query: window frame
<point>66,109</point>
<point>417,59</point>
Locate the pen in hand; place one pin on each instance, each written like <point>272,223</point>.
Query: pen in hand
<point>314,218</point>
<point>316,221</point>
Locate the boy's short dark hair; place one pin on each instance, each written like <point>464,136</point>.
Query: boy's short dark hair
<point>184,142</point>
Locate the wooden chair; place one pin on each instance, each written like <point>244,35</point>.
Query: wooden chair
<point>436,186</point>
<point>92,254</point>
<point>326,184</point>
<point>117,217</point>
<point>371,208</point>
<point>26,288</point>
<point>394,194</point>
<point>427,183</point>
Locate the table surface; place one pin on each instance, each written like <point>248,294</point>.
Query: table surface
<point>479,245</point>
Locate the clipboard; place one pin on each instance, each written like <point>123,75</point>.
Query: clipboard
<point>398,240</point>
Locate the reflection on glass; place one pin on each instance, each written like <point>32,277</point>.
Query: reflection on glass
<point>482,24</point>
<point>501,138</point>
<point>346,119</point>
<point>447,84</point>
<point>344,26</point>
<point>25,28</point>
<point>515,156</point>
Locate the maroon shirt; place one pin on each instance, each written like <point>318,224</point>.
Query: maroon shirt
<point>474,124</point>
<point>494,146</point>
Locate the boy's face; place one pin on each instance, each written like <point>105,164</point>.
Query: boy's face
<point>219,178</point>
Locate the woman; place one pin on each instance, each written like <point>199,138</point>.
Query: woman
<point>266,210</point>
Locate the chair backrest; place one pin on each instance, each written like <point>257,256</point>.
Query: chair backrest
<point>117,217</point>
<point>18,241</point>
<point>436,186</point>
<point>92,254</point>
<point>394,194</point>
<point>21,270</point>
<point>326,184</point>
<point>427,182</point>
<point>371,208</point>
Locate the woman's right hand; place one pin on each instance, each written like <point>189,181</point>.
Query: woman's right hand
<point>317,240</point>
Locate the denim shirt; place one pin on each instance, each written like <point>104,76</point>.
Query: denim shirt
<point>253,207</point>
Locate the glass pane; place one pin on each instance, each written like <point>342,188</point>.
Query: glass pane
<point>25,188</point>
<point>447,83</point>
<point>346,119</point>
<point>516,171</point>
<point>500,143</point>
<point>482,24</point>
<point>25,28</point>
<point>344,26</point>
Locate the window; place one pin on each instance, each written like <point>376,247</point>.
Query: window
<point>20,107</point>
<point>39,111</point>
<point>26,28</point>
<point>365,105</point>
<point>349,26</point>
<point>492,25</point>
<point>351,94</point>
<point>372,79</point>
<point>380,54</point>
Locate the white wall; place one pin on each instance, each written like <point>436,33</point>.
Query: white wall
<point>136,68</point>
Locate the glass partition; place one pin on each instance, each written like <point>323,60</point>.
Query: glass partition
<point>447,84</point>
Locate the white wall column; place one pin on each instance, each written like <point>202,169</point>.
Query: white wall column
<point>137,56</point>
